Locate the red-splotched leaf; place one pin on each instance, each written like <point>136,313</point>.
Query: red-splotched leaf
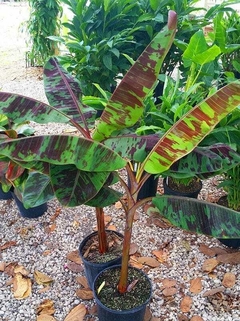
<point>125,106</point>
<point>20,108</point>
<point>64,93</point>
<point>205,162</point>
<point>199,216</point>
<point>188,132</point>
<point>63,150</point>
<point>14,171</point>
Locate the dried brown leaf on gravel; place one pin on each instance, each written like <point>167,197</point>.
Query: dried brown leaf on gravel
<point>2,266</point>
<point>83,281</point>
<point>229,280</point>
<point>148,315</point>
<point>169,291</point>
<point>45,317</point>
<point>21,269</point>
<point>196,285</point>
<point>186,304</point>
<point>46,307</point>
<point>182,317</point>
<point>7,245</point>
<point>206,250</point>
<point>9,268</point>
<point>50,228</point>
<point>134,262</point>
<point>74,257</point>
<point>22,286</point>
<point>230,258</point>
<point>196,318</point>
<point>77,313</point>
<point>74,267</point>
<point>168,283</point>
<point>209,265</point>
<point>55,215</point>
<point>162,255</point>
<point>84,294</point>
<point>41,278</point>
<point>213,291</point>
<point>150,261</point>
<point>133,248</point>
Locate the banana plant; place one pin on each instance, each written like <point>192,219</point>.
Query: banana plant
<point>83,168</point>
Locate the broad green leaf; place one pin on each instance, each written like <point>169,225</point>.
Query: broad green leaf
<point>199,216</point>
<point>190,130</point>
<point>197,45</point>
<point>107,60</point>
<point>207,56</point>
<point>126,106</point>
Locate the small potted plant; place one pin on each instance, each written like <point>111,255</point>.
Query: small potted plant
<point>82,169</point>
<point>31,190</point>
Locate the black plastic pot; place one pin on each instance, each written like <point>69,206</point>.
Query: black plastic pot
<point>33,212</point>
<point>169,191</point>
<point>5,196</point>
<point>93,269</point>
<point>107,314</point>
<point>233,243</point>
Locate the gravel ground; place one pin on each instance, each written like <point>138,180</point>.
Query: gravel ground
<point>43,244</point>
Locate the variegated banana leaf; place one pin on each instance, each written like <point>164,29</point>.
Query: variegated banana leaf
<point>205,162</point>
<point>190,130</point>
<point>63,92</point>
<point>74,187</point>
<point>126,105</point>
<point>199,216</point>
<point>131,146</point>
<point>36,190</point>
<point>85,154</point>
<point>20,108</point>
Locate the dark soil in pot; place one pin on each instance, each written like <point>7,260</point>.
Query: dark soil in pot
<point>94,262</point>
<point>191,190</point>
<point>128,307</point>
<point>233,243</point>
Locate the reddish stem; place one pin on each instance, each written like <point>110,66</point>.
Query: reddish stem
<point>102,236</point>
